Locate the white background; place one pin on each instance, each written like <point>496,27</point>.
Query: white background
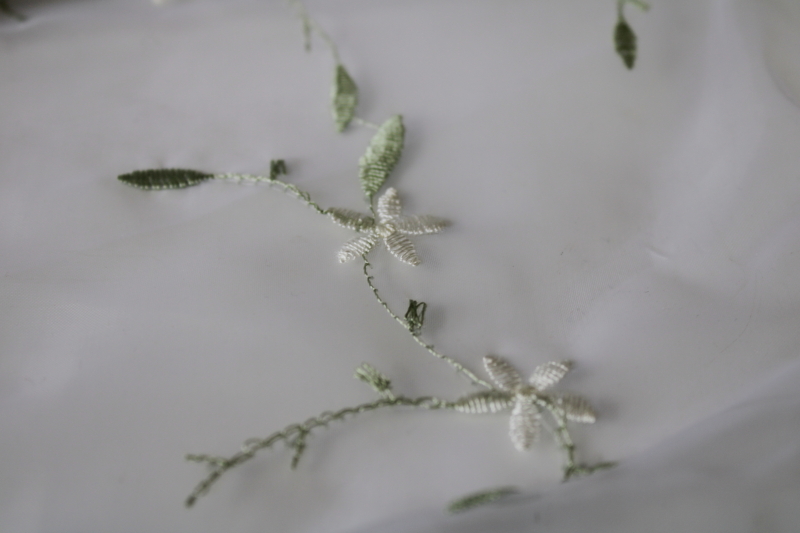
<point>644,224</point>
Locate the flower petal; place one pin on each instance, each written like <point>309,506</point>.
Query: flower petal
<point>357,247</point>
<point>525,422</point>
<point>351,219</point>
<point>491,401</point>
<point>577,409</point>
<point>402,248</point>
<point>546,375</point>
<point>419,225</point>
<point>502,373</point>
<point>389,206</point>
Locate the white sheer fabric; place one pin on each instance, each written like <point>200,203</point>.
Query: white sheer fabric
<point>644,224</point>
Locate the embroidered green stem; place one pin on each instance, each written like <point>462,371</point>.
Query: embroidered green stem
<point>561,433</point>
<point>365,123</point>
<point>644,6</point>
<point>344,91</point>
<point>295,436</point>
<point>288,188</point>
<point>416,335</point>
<point>310,25</point>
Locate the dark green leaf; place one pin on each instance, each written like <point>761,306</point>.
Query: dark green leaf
<point>6,8</point>
<point>277,167</point>
<point>164,178</point>
<point>381,156</point>
<point>625,42</point>
<point>415,316</point>
<point>480,498</point>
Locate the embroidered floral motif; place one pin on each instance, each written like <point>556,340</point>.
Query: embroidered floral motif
<point>526,416</point>
<point>391,227</point>
<point>532,405</point>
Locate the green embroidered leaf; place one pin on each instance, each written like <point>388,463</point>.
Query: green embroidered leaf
<point>344,98</point>
<point>624,37</point>
<point>6,8</point>
<point>415,316</point>
<point>480,403</point>
<point>480,498</point>
<point>625,42</point>
<point>277,167</point>
<point>164,178</point>
<point>381,156</point>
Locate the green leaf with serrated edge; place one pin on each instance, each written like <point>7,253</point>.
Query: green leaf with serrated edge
<point>164,178</point>
<point>625,42</point>
<point>344,98</point>
<point>480,498</point>
<point>492,401</point>
<point>381,156</point>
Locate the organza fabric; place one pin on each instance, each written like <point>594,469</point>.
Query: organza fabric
<point>644,224</point>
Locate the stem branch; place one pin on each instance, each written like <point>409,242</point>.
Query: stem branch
<point>641,4</point>
<point>561,433</point>
<point>428,347</point>
<point>310,24</point>
<point>288,188</point>
<point>294,436</point>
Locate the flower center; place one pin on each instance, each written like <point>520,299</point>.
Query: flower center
<point>387,229</point>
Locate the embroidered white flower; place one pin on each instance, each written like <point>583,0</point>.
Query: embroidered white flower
<point>391,227</point>
<point>526,417</point>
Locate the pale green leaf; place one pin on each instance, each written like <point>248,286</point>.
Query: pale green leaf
<point>344,98</point>
<point>480,498</point>
<point>381,156</point>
